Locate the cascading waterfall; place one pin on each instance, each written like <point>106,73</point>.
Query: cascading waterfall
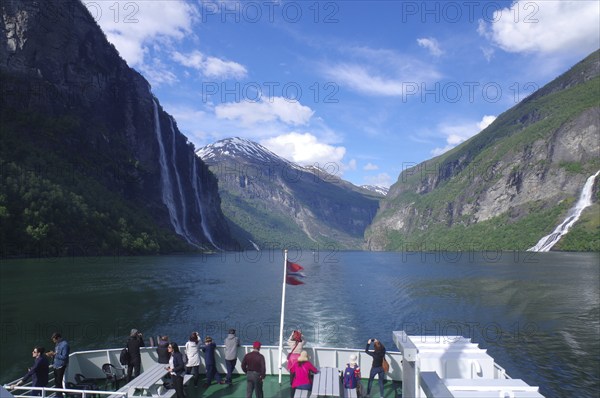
<point>188,235</point>
<point>585,200</point>
<point>200,207</point>
<point>165,178</point>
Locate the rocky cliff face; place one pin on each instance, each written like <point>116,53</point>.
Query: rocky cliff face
<point>276,203</point>
<point>533,159</point>
<point>59,70</point>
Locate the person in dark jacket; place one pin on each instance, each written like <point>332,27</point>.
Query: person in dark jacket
<point>253,365</point>
<point>211,364</point>
<point>38,373</point>
<point>134,342</point>
<point>162,350</point>
<point>176,368</point>
<point>377,367</point>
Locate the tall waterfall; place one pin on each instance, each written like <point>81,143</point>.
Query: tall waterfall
<point>194,173</point>
<point>179,186</point>
<point>165,178</point>
<point>585,199</point>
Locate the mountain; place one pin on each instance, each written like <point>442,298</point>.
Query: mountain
<point>272,202</point>
<point>511,184</point>
<point>91,163</point>
<point>376,188</point>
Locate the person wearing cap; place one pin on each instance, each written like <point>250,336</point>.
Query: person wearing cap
<point>232,342</point>
<point>61,359</point>
<point>253,365</point>
<point>351,376</point>
<point>134,342</point>
<point>302,369</point>
<point>209,349</point>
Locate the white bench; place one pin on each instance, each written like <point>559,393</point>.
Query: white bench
<point>326,383</point>
<point>350,393</point>
<point>302,394</point>
<point>147,381</point>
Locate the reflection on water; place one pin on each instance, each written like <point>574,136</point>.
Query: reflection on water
<point>537,314</point>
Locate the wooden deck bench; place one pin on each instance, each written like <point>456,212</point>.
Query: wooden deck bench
<point>350,393</point>
<point>148,381</point>
<point>302,394</point>
<point>326,383</point>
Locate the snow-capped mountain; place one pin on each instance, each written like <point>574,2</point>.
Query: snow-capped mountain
<point>272,201</point>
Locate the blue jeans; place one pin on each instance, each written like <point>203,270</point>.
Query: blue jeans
<point>230,364</point>
<point>211,373</point>
<point>376,371</point>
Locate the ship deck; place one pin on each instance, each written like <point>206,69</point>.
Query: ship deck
<point>272,388</point>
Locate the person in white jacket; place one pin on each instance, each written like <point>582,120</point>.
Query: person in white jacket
<point>192,351</point>
<point>232,342</point>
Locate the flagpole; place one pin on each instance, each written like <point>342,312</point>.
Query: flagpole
<point>285,252</point>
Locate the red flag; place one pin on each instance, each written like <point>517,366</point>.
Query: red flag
<point>292,272</point>
<point>290,280</point>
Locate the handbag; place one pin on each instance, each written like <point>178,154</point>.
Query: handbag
<point>385,365</point>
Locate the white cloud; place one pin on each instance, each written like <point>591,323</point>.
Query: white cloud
<point>431,45</point>
<point>269,110</point>
<point>488,53</point>
<point>370,166</point>
<point>157,73</point>
<point>134,25</point>
<point>211,66</point>
<point>458,133</point>
<point>546,27</point>
<point>305,149</point>
<point>379,72</point>
<point>381,180</point>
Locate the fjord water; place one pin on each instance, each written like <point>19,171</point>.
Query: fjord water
<point>537,314</point>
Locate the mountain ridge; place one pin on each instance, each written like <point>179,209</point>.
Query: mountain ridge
<point>507,186</point>
<point>264,193</point>
<point>118,174</point>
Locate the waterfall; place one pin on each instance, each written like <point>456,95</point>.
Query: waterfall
<point>199,205</point>
<point>585,199</point>
<point>165,178</point>
<point>188,235</point>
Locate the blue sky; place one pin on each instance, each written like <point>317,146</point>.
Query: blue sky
<point>363,89</point>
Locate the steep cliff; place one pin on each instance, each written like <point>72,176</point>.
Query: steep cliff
<point>91,162</point>
<point>272,202</point>
<point>508,186</point>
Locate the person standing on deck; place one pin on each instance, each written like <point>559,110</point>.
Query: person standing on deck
<point>134,343</point>
<point>162,350</point>
<point>61,359</point>
<point>38,372</point>
<point>302,369</point>
<point>254,366</point>
<point>232,342</point>
<point>192,350</point>
<point>377,367</point>
<point>176,369</point>
<point>211,363</point>
<point>295,345</point>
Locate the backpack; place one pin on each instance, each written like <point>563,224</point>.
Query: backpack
<point>124,357</point>
<point>351,376</point>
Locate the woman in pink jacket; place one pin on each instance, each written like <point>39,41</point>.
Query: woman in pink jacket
<point>302,369</point>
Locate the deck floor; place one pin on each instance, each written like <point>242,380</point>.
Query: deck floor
<point>271,388</point>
